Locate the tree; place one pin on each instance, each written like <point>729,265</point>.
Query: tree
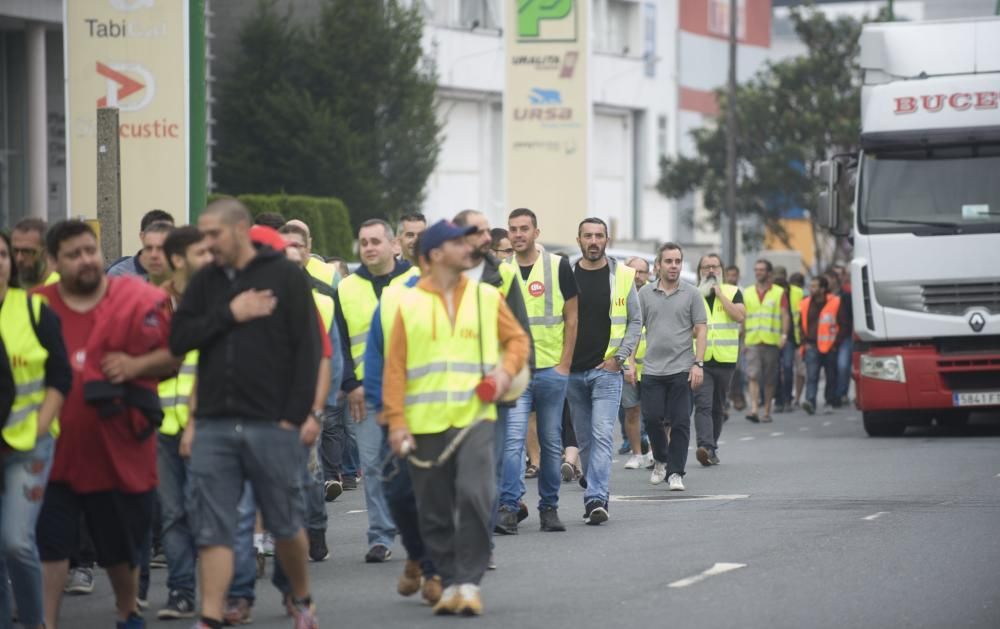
<point>791,116</point>
<point>343,107</point>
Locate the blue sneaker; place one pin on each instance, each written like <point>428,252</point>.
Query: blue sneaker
<point>135,621</point>
<point>626,447</point>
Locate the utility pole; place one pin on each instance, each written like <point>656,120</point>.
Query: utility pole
<point>728,218</point>
<point>892,12</point>
<point>109,183</point>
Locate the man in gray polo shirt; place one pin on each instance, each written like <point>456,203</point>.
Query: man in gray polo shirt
<point>674,314</point>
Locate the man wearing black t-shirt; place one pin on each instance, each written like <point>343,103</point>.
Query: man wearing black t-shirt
<point>608,332</point>
<point>550,298</point>
<point>725,310</point>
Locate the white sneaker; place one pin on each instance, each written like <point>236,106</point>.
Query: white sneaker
<point>647,459</point>
<point>675,482</point>
<point>634,462</point>
<point>659,473</point>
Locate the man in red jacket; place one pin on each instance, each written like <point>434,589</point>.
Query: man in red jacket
<point>102,468</point>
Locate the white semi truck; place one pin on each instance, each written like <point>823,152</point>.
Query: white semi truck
<point>926,223</point>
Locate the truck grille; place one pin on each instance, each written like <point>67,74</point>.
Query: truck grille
<point>953,298</point>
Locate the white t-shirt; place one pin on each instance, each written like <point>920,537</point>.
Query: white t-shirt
<point>476,273</point>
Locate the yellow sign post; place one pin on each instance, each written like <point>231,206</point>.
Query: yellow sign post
<point>547,113</point>
<point>133,55</point>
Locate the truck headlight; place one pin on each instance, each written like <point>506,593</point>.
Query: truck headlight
<point>883,367</point>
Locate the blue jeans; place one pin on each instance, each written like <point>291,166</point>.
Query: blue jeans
<point>312,487</point>
<point>244,554</point>
<point>174,492</point>
<point>339,443</point>
<point>786,374</point>
<point>546,394</point>
<point>25,475</point>
<point>499,443</point>
<point>594,397</point>
<point>814,362</point>
<point>381,528</point>
<point>844,351</point>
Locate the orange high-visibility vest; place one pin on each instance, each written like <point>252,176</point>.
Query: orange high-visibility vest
<point>826,331</point>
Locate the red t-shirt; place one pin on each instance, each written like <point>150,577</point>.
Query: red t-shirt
<point>94,454</point>
<point>327,346</point>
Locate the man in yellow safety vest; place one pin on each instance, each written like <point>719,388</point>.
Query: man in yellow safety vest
<point>767,327</point>
<point>453,350</point>
<point>725,311</point>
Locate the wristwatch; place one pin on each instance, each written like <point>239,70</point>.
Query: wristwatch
<point>620,361</point>
<point>316,414</point>
<point>700,363</point>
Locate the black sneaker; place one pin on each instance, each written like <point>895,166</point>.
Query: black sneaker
<point>317,545</point>
<point>582,480</point>
<point>378,554</point>
<point>550,520</point>
<point>506,522</point>
<point>179,605</point>
<point>332,490</point>
<point>522,512</point>
<point>349,483</point>
<point>595,513</point>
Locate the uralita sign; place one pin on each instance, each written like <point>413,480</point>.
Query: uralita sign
<point>132,55</point>
<point>546,113</point>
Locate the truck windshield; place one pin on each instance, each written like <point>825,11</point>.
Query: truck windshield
<point>934,190</point>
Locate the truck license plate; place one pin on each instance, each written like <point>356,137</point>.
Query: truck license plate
<point>981,398</point>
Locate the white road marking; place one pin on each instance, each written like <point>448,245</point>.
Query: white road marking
<point>827,423</point>
<point>659,499</point>
<point>717,569</point>
<point>804,428</point>
<point>777,434</point>
<point>875,516</point>
<point>746,438</point>
<point>722,443</point>
<point>352,512</point>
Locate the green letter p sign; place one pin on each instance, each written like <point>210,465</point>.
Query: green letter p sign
<point>530,14</point>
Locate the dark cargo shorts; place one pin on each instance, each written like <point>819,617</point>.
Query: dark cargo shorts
<point>228,451</point>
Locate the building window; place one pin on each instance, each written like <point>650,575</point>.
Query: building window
<point>718,18</point>
<point>661,135</point>
<point>615,27</point>
<point>468,14</point>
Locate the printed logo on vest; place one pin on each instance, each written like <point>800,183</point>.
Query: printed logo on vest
<point>536,289</point>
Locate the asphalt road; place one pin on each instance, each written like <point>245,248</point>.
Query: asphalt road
<point>807,523</point>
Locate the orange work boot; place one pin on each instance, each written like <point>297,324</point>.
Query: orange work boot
<point>449,603</point>
<point>471,603</point>
<point>432,590</point>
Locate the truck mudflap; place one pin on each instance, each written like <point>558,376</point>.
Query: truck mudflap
<point>927,380</point>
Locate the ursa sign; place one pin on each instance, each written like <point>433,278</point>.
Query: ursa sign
<point>957,101</point>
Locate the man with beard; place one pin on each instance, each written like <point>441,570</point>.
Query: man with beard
<point>608,333</point>
<point>411,225</point>
<point>105,466</point>
<point>767,327</point>
<point>28,244</point>
<point>674,314</point>
<point>724,306</point>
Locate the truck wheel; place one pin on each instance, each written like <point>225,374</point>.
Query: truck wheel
<point>883,424</point>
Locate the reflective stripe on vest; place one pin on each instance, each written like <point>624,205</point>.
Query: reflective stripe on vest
<point>27,364</point>
<point>826,329</point>
<point>544,305</point>
<point>443,365</point>
<point>763,322</point>
<point>175,396</point>
<point>622,281</point>
<point>358,302</point>
<point>723,339</point>
<point>795,296</point>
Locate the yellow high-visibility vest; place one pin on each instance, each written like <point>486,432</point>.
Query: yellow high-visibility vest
<point>544,302</point>
<point>388,307</point>
<point>507,274</point>
<point>763,322</point>
<point>624,280</point>
<point>27,357</point>
<point>444,364</point>
<point>795,296</point>
<point>358,301</point>
<point>326,307</point>
<point>723,344</point>
<point>175,396</point>
<point>53,278</point>
<point>322,271</point>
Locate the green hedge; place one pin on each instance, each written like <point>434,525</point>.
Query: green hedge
<point>327,217</point>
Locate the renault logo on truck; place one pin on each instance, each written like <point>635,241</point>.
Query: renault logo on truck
<point>977,322</point>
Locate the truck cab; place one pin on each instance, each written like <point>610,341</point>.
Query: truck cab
<point>926,223</point>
